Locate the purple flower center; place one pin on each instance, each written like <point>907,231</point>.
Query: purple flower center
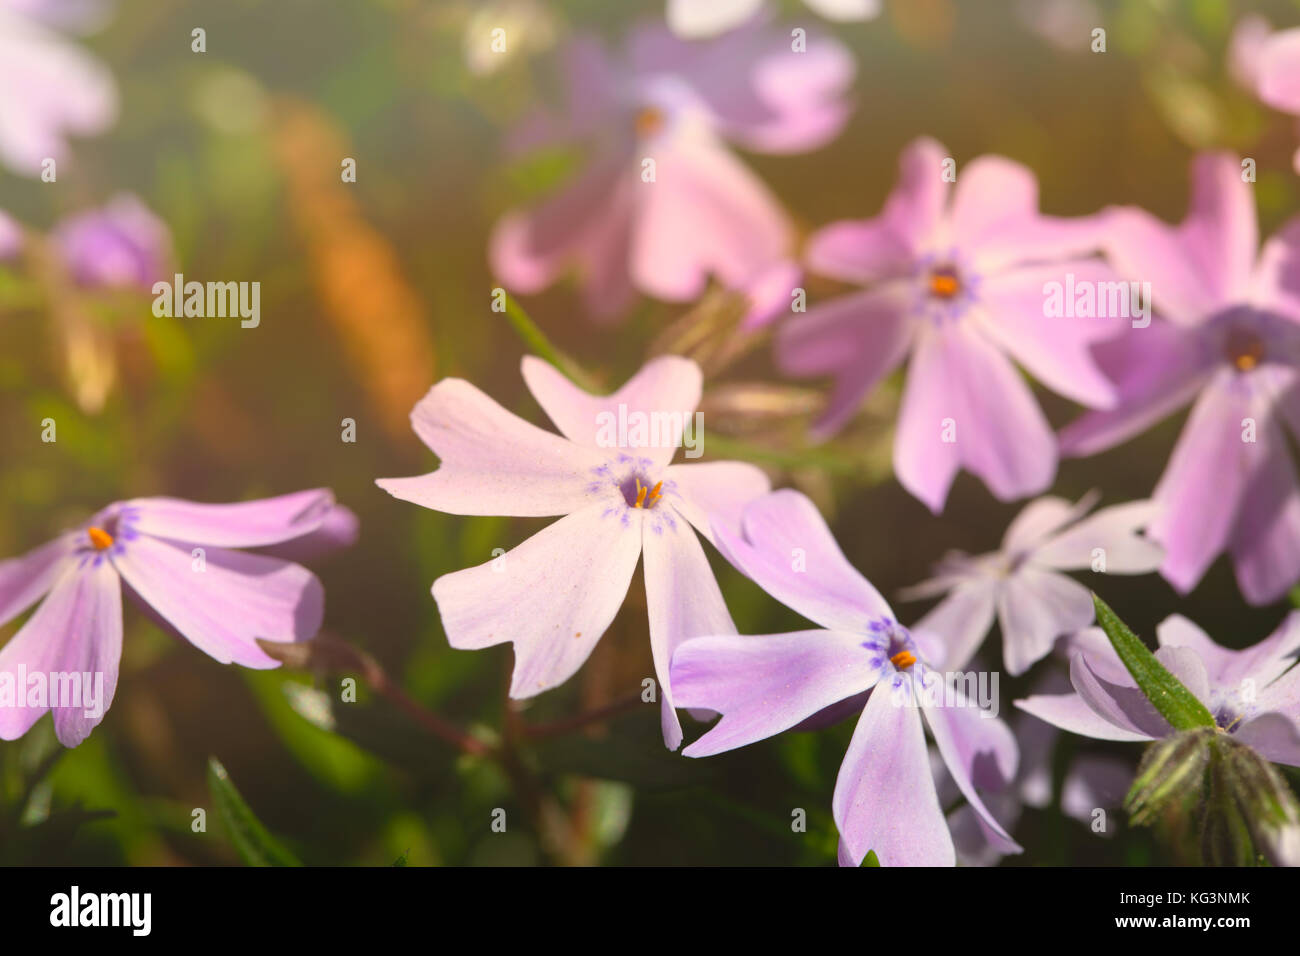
<point>638,493</point>
<point>108,533</point>
<point>1231,710</point>
<point>945,282</point>
<point>945,287</point>
<point>649,121</point>
<point>889,640</point>
<point>632,486</point>
<point>1244,349</point>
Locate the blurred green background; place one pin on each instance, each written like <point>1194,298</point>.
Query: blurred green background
<point>372,290</point>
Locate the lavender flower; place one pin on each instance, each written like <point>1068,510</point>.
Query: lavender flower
<point>1023,584</point>
<point>621,499</point>
<point>702,212</point>
<point>885,798</point>
<point>122,245</point>
<point>52,88</point>
<point>1242,806</point>
<point>957,282</point>
<point>175,558</point>
<point>1227,340</point>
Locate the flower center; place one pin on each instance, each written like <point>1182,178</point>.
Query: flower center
<point>649,121</point>
<point>887,640</point>
<point>100,539</point>
<point>945,283</point>
<point>640,494</point>
<point>903,660</point>
<point>1244,350</point>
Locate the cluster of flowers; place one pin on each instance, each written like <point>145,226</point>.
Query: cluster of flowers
<point>953,272</point>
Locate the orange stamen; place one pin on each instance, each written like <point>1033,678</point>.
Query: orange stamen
<point>649,121</point>
<point>1245,351</point>
<point>903,660</point>
<point>100,539</point>
<point>944,285</point>
<point>640,494</point>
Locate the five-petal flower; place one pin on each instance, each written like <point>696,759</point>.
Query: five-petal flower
<point>675,106</point>
<point>1227,339</point>
<point>885,797</point>
<point>1023,582</point>
<point>175,558</point>
<point>957,281</point>
<point>621,499</point>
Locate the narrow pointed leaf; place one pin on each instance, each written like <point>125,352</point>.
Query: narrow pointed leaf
<point>1171,698</point>
<point>252,840</point>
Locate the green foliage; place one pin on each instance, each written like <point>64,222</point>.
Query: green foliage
<point>252,840</point>
<point>1176,703</point>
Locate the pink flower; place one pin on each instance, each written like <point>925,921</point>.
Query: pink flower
<point>554,595</point>
<point>674,105</point>
<point>958,281</point>
<point>1227,341</point>
<point>1272,62</point>
<point>123,244</point>
<point>860,659</point>
<point>693,19</point>
<point>175,559</point>
<point>1024,583</point>
<point>52,88</point>
<point>1253,694</point>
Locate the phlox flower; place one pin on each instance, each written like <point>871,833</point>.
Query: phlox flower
<point>621,500</point>
<point>694,19</point>
<point>1226,339</point>
<point>120,245</point>
<point>50,87</point>
<point>885,798</point>
<point>957,280</point>
<point>175,558</point>
<point>679,105</point>
<point>1023,583</point>
<point>1268,63</point>
<point>1253,694</point>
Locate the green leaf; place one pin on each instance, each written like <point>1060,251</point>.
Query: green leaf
<point>871,859</point>
<point>535,339</point>
<point>252,840</point>
<point>1176,703</point>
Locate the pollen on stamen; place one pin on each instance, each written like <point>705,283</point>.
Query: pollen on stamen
<point>903,660</point>
<point>1245,351</point>
<point>944,284</point>
<point>1245,361</point>
<point>100,539</point>
<point>649,121</point>
<point>647,496</point>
